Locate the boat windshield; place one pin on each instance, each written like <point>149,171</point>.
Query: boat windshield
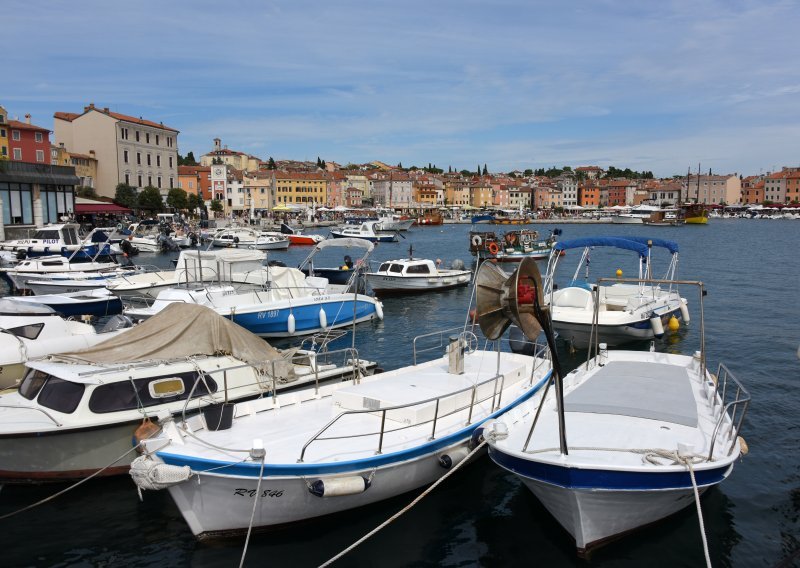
<point>32,383</point>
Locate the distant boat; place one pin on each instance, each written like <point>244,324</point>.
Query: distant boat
<point>695,214</point>
<point>367,230</point>
<point>413,275</point>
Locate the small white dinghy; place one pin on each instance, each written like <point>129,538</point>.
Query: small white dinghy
<point>623,441</point>
<point>414,275</point>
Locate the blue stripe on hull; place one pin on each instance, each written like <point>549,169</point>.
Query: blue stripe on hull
<point>275,322</point>
<point>600,479</point>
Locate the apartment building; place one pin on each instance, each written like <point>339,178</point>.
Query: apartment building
<point>713,189</point>
<point>304,188</point>
<point>196,180</point>
<point>237,160</point>
<point>129,150</point>
<point>391,190</point>
<point>28,142</point>
<point>3,133</point>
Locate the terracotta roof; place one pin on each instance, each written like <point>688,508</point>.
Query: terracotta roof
<point>70,116</point>
<point>17,125</point>
<point>189,170</point>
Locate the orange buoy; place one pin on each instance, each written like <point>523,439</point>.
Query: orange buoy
<point>145,430</point>
<point>493,248</point>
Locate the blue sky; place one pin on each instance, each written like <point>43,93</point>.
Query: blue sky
<point>648,85</point>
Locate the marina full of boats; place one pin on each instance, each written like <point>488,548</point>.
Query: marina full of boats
<point>247,437</point>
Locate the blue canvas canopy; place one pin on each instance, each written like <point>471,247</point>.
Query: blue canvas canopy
<point>617,242</point>
<point>671,246</point>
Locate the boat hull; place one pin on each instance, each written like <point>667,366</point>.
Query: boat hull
<point>578,334</point>
<point>595,506</point>
<point>383,285</point>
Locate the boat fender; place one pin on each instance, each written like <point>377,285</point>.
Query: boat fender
<point>684,312</point>
<point>290,324</point>
<point>493,248</point>
<point>323,319</point>
<point>453,457</point>
<point>477,240</point>
<point>673,324</point>
<point>339,486</point>
<point>148,474</point>
<point>743,447</point>
<point>658,327</point>
<point>145,431</point>
<point>379,310</point>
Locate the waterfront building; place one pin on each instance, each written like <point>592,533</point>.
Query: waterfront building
<point>548,197</point>
<point>793,186</point>
<point>3,134</point>
<point>196,180</point>
<point>28,142</point>
<point>359,180</point>
<point>129,150</point>
<point>394,189</point>
<point>222,155</point>
<point>569,189</point>
<point>589,194</point>
<point>481,194</point>
<point>259,189</point>
<point>591,172</point>
<point>713,189</point>
<point>301,188</point>
<point>753,190</point>
<point>337,183</point>
<point>428,195</point>
<point>775,187</point>
<point>663,193</point>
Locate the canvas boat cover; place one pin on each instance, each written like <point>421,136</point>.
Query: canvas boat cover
<point>183,330</point>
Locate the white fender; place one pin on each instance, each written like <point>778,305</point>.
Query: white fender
<point>323,319</point>
<point>658,327</point>
<point>379,310</point>
<point>290,324</point>
<point>684,312</point>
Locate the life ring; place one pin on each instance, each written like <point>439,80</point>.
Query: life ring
<point>493,248</point>
<point>477,240</point>
<point>525,238</point>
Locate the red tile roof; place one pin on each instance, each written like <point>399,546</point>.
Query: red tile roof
<point>70,116</point>
<point>17,125</point>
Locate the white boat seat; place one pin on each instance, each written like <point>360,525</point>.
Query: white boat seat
<point>629,388</point>
<point>317,282</point>
<point>573,297</point>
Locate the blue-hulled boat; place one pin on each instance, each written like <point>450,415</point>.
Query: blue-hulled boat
<point>96,302</point>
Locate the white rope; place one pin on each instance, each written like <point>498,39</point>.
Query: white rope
<point>699,513</point>
<point>405,509</point>
<point>253,514</point>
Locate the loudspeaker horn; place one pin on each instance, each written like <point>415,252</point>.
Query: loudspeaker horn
<point>502,300</point>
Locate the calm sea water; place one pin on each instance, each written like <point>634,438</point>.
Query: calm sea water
<point>483,516</point>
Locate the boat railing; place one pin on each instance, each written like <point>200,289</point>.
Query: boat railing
<point>442,336</point>
<point>733,399</point>
<point>475,399</point>
<point>56,422</point>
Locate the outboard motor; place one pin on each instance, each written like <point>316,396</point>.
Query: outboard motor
<point>22,254</point>
<point>116,322</point>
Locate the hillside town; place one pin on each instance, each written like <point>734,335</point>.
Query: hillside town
<point>99,160</point>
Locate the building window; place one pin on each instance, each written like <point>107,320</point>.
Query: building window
<point>147,137</point>
<point>15,135</point>
<point>170,161</point>
<point>139,158</point>
<point>140,180</point>
<point>123,133</point>
<point>158,180</point>
<point>171,182</point>
<point>17,201</point>
<point>125,156</point>
<point>156,139</point>
<point>149,181</point>
<point>17,153</point>
<point>38,137</point>
<point>158,160</point>
<point>148,159</point>
<point>137,135</point>
<point>40,155</point>
<point>169,141</point>
<point>127,179</point>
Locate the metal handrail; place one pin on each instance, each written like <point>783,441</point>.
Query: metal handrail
<point>473,389</point>
<point>56,422</point>
<point>442,344</point>
<point>741,401</point>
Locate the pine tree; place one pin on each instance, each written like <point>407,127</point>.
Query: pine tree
<point>485,171</point>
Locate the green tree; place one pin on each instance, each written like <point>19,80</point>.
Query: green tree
<point>193,202</point>
<point>188,160</point>
<point>271,164</point>
<point>485,170</point>
<point>399,165</point>
<point>126,196</point>
<point>150,198</point>
<point>528,173</point>
<point>176,198</point>
<point>216,206</point>
<point>324,165</point>
<point>86,192</point>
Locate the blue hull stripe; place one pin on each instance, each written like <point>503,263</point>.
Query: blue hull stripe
<point>600,479</point>
<point>306,317</point>
<point>297,469</point>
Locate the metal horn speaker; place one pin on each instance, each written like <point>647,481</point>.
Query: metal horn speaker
<point>502,300</point>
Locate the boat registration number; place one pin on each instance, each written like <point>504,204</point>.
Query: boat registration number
<point>273,493</point>
<point>270,314</point>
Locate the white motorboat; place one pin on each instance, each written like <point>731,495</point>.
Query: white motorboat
<point>75,414</point>
<point>271,242</point>
<point>51,239</point>
<point>625,440</point>
<point>235,236</point>
<point>367,230</point>
<point>296,236</point>
<point>393,223</point>
<point>192,268</point>
<point>30,331</point>
<point>39,267</point>
<point>95,302</point>
<point>67,282</point>
<point>356,444</point>
<point>413,275</point>
<point>627,312</point>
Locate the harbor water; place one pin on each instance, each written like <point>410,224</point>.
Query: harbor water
<point>483,516</point>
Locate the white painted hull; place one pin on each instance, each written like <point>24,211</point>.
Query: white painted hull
<point>416,284</point>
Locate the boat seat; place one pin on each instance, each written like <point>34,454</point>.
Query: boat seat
<point>655,391</point>
<point>573,297</point>
<point>317,282</point>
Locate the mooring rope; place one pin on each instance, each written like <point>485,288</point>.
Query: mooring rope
<point>71,487</point>
<point>405,509</point>
<point>253,514</point>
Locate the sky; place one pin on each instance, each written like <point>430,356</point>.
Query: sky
<point>649,85</point>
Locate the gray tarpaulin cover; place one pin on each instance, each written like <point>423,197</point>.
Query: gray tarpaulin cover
<point>182,330</point>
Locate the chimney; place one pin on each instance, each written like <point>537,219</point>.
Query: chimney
<point>105,110</point>
<point>27,119</point>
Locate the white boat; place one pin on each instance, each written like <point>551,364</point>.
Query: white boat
<point>75,414</point>
<point>66,282</point>
<point>51,239</point>
<point>45,266</point>
<point>235,236</point>
<point>635,215</point>
<point>367,230</point>
<point>296,236</point>
<point>393,223</point>
<point>95,302</point>
<point>627,312</point>
<point>625,440</point>
<point>414,275</point>
<point>290,304</point>
<point>271,242</point>
<point>30,331</point>
<point>193,268</point>
<point>355,444</point>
